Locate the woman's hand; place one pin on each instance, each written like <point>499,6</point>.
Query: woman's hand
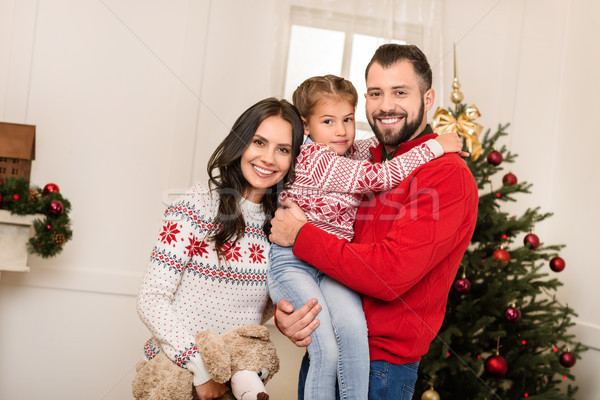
<point>210,390</point>
<point>452,143</point>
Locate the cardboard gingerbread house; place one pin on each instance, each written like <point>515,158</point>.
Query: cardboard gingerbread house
<point>17,149</point>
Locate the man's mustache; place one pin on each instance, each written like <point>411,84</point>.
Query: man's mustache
<point>389,115</point>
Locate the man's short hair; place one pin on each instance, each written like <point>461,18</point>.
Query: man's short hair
<point>389,54</point>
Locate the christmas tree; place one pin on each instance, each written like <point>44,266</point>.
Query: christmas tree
<point>505,335</point>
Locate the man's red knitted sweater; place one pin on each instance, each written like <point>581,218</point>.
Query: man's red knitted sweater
<point>407,248</point>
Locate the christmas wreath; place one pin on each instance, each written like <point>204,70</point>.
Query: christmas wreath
<point>52,231</point>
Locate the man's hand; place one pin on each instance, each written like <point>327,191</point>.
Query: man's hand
<point>297,325</point>
<point>287,222</point>
<point>210,390</point>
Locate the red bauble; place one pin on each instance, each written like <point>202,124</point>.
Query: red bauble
<point>532,240</point>
<point>496,366</point>
<point>501,255</point>
<point>557,264</point>
<point>509,179</point>
<point>512,314</point>
<point>567,359</point>
<point>462,285</point>
<point>55,207</point>
<point>494,157</point>
<point>0,199</point>
<point>51,188</point>
<point>16,197</point>
<point>48,227</point>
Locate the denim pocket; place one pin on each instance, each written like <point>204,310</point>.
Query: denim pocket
<point>414,366</point>
<point>378,383</point>
<point>407,392</point>
<point>392,381</point>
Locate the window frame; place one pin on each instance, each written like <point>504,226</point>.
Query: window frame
<point>350,25</point>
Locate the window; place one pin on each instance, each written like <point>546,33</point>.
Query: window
<point>324,42</point>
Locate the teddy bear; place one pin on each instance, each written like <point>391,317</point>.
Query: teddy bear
<point>244,356</point>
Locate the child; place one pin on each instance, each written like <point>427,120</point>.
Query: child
<point>208,268</point>
<point>332,176</point>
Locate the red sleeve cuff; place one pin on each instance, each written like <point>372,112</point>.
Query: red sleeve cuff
<point>303,239</point>
<point>275,319</point>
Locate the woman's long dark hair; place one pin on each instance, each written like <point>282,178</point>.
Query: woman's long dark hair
<point>230,183</point>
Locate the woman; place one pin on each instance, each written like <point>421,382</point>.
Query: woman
<point>208,268</point>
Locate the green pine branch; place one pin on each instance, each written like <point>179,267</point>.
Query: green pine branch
<point>51,231</point>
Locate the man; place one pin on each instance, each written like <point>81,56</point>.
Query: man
<point>408,242</point>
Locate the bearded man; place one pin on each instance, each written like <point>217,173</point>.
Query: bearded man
<point>408,241</point>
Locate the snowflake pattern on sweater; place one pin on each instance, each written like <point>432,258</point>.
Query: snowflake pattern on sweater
<point>187,289</point>
<point>329,188</point>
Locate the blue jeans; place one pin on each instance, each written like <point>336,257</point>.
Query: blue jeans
<point>387,381</point>
<point>339,349</point>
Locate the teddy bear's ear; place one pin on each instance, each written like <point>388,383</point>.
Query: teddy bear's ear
<point>217,360</point>
<point>253,331</point>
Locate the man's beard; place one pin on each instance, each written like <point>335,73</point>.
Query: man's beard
<point>391,138</point>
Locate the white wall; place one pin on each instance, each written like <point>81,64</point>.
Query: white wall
<point>575,190</point>
<point>131,97</point>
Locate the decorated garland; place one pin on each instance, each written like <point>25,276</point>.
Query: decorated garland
<point>52,231</point>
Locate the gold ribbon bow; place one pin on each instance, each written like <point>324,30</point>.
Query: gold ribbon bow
<point>444,122</point>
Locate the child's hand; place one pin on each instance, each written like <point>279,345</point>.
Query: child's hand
<point>210,390</point>
<point>452,143</point>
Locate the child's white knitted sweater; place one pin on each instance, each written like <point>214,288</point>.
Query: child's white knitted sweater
<point>187,289</point>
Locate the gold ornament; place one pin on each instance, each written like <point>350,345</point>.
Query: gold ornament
<point>430,394</point>
<point>34,196</point>
<point>444,121</point>
<point>58,238</point>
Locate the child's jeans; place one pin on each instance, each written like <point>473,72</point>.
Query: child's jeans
<point>339,348</point>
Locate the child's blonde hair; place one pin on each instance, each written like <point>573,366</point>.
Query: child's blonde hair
<point>315,89</point>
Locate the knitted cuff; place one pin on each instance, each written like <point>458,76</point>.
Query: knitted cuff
<point>196,366</point>
<point>297,234</point>
<point>435,147</point>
